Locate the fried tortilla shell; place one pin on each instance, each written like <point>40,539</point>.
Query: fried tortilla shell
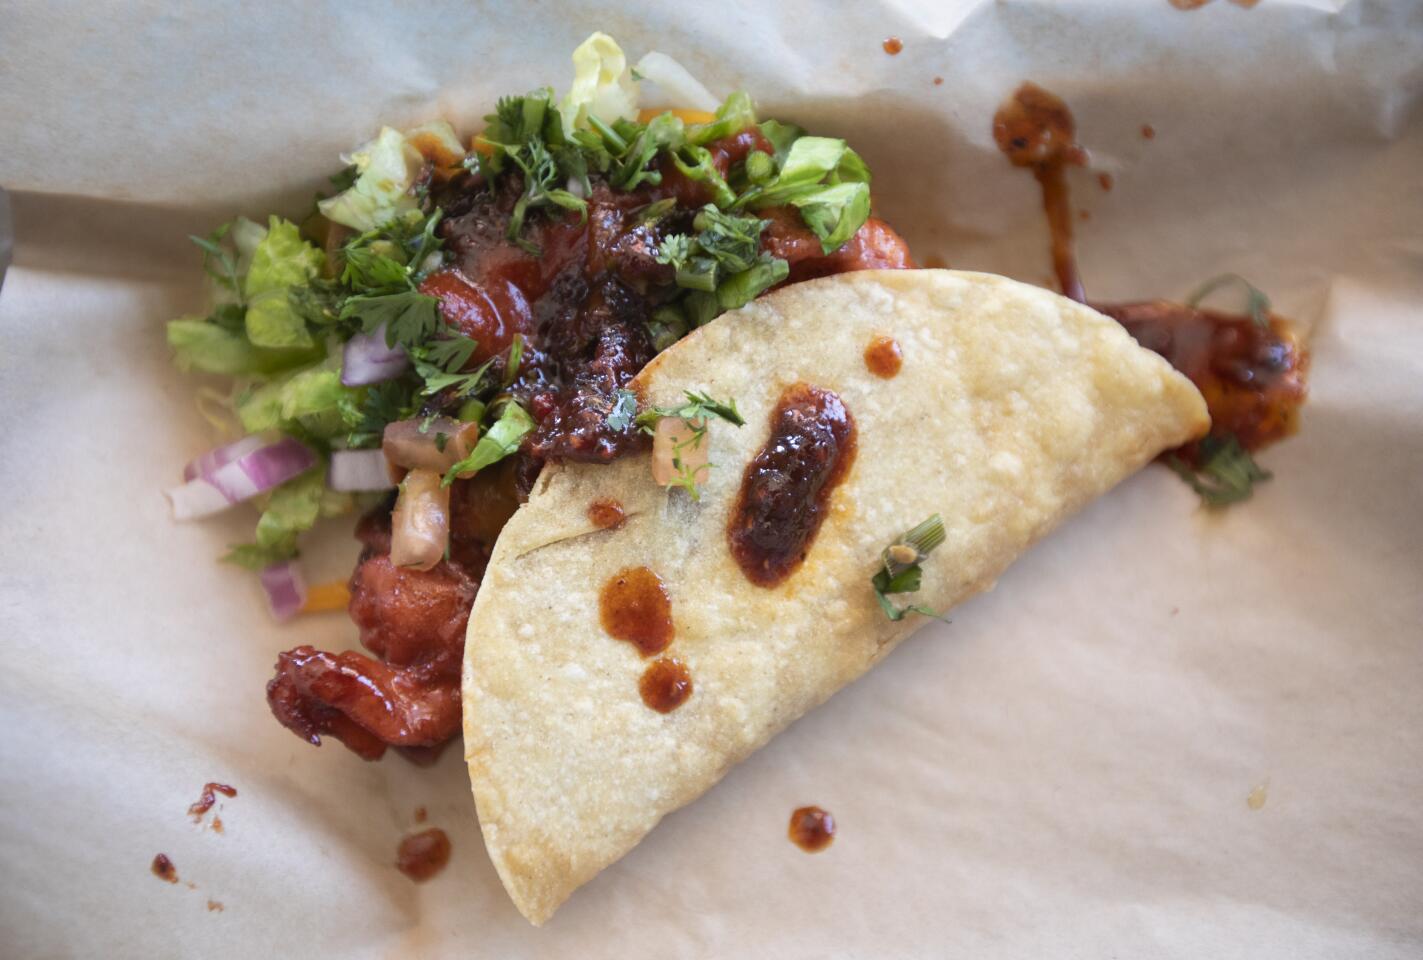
<point>1014,408</point>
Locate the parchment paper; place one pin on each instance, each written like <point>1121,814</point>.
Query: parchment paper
<point>1062,771</point>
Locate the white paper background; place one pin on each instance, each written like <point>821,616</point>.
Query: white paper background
<point>1063,771</point>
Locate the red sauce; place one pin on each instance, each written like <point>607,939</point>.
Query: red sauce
<point>208,797</point>
<point>606,513</point>
<point>1035,129</point>
<point>1105,181</point>
<point>892,46</point>
<point>1253,377</point>
<point>424,854</point>
<point>1148,132</point>
<point>217,824</point>
<point>665,685</point>
<point>883,357</point>
<point>421,815</point>
<point>634,606</point>
<point>215,906</point>
<point>163,869</point>
<point>938,81</point>
<point>786,488</point>
<point>812,829</point>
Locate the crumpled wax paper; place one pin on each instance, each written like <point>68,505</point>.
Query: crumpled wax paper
<point>1064,770</point>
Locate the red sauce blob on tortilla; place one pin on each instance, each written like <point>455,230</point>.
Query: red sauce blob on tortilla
<point>606,513</point>
<point>892,46</point>
<point>163,869</point>
<point>209,797</point>
<point>812,829</point>
<point>634,606</point>
<point>786,488</point>
<point>665,685</point>
<point>424,854</point>
<point>883,357</point>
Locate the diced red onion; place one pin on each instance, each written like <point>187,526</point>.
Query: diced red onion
<point>286,589</point>
<point>420,523</point>
<point>240,479</point>
<point>356,470</point>
<point>367,359</point>
<point>210,461</point>
<point>416,444</point>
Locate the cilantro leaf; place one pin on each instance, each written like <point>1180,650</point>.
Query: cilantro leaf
<point>623,412</point>
<point>410,317</point>
<point>1227,473</point>
<point>699,407</point>
<point>901,569</point>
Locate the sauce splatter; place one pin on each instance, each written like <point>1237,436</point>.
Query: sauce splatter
<point>1256,799</point>
<point>606,513</point>
<point>1105,181</point>
<point>634,606</point>
<point>421,815</point>
<point>665,685</point>
<point>892,46</point>
<point>1148,132</point>
<point>215,906</point>
<point>812,829</point>
<point>785,492</point>
<point>938,81</point>
<point>217,824</point>
<point>424,854</point>
<point>163,869</point>
<point>1035,129</point>
<point>208,798</point>
<point>883,357</point>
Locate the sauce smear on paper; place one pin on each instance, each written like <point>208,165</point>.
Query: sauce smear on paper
<point>634,606</point>
<point>812,829</point>
<point>1035,129</point>
<point>883,357</point>
<point>665,685</point>
<point>424,854</point>
<point>163,869</point>
<point>785,491</point>
<point>209,797</point>
<point>606,513</point>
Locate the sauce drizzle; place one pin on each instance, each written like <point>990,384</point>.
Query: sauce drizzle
<point>163,869</point>
<point>634,606</point>
<point>209,797</point>
<point>883,357</point>
<point>424,854</point>
<point>606,513</point>
<point>812,829</point>
<point>665,685</point>
<point>1035,129</point>
<point>786,488</point>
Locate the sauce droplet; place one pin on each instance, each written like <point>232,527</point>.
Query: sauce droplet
<point>665,684</point>
<point>215,906</point>
<point>208,797</point>
<point>606,513</point>
<point>635,607</point>
<point>883,357</point>
<point>217,824</point>
<point>785,491</point>
<point>892,45</point>
<point>424,854</point>
<point>163,869</point>
<point>1035,129</point>
<point>421,815</point>
<point>1148,132</point>
<point>938,81</point>
<point>1105,180</point>
<point>1256,800</point>
<point>812,829</point>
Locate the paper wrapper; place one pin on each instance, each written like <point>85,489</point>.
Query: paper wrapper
<point>1062,771</point>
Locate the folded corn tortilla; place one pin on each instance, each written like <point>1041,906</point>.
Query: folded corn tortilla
<point>1014,408</point>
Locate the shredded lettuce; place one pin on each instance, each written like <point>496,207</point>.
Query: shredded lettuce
<point>281,260</point>
<point>292,509</point>
<point>387,169</point>
<point>601,85</point>
<point>499,441</point>
<point>312,396</point>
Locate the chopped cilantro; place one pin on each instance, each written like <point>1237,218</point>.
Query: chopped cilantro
<point>624,411</point>
<point>901,567</point>
<point>1227,473</point>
